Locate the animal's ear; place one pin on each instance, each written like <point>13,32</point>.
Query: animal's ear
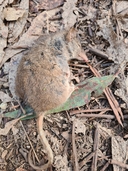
<point>71,34</point>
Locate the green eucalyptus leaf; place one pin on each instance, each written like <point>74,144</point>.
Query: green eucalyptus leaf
<point>82,95</point>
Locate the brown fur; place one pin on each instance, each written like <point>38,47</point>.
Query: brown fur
<point>43,75</point>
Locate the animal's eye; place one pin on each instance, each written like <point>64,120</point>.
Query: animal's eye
<point>42,54</point>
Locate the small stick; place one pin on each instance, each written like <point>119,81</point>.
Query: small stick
<point>89,111</point>
<point>78,65</point>
<point>95,148</point>
<point>118,163</point>
<point>96,116</point>
<point>76,165</point>
<point>83,162</point>
<point>29,140</point>
<point>105,166</point>
<point>98,52</point>
<point>107,93</point>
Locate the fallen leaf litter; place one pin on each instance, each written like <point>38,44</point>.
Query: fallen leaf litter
<point>97,40</point>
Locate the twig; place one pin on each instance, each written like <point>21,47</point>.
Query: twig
<point>89,111</point>
<point>29,141</point>
<point>116,103</point>
<point>83,162</point>
<point>78,65</point>
<point>98,52</point>
<point>105,166</point>
<point>96,116</point>
<point>113,106</point>
<point>126,136</point>
<point>100,114</point>
<point>14,107</point>
<point>123,13</point>
<point>118,163</point>
<point>84,56</point>
<point>76,165</point>
<point>28,114</point>
<point>24,112</point>
<point>115,162</point>
<point>118,26</point>
<point>111,100</point>
<point>95,148</point>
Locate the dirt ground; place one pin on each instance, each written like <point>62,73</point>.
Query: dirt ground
<point>92,137</point>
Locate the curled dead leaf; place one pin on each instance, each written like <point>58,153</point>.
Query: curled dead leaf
<point>17,28</point>
<point>5,97</point>
<point>4,153</point>
<point>48,5</point>
<point>8,126</point>
<point>3,106</point>
<point>69,17</point>
<point>12,14</point>
<point>79,127</point>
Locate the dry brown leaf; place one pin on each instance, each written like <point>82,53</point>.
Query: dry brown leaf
<point>35,30</point>
<point>122,91</point>
<point>3,4</point>
<point>9,53</point>
<point>5,97</point>
<point>8,126</point>
<point>117,51</point>
<point>61,163</point>
<point>3,31</point>
<point>119,151</point>
<point>105,132</point>
<point>69,18</point>
<point>79,127</point>
<point>15,130</point>
<point>48,4</point>
<point>121,5</point>
<point>90,12</point>
<point>12,14</point>
<point>56,145</point>
<point>32,34</point>
<point>121,8</point>
<point>4,153</point>
<point>6,67</point>
<point>3,44</point>
<point>66,135</point>
<point>11,1</point>
<point>3,106</point>
<point>3,38</point>
<point>17,28</point>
